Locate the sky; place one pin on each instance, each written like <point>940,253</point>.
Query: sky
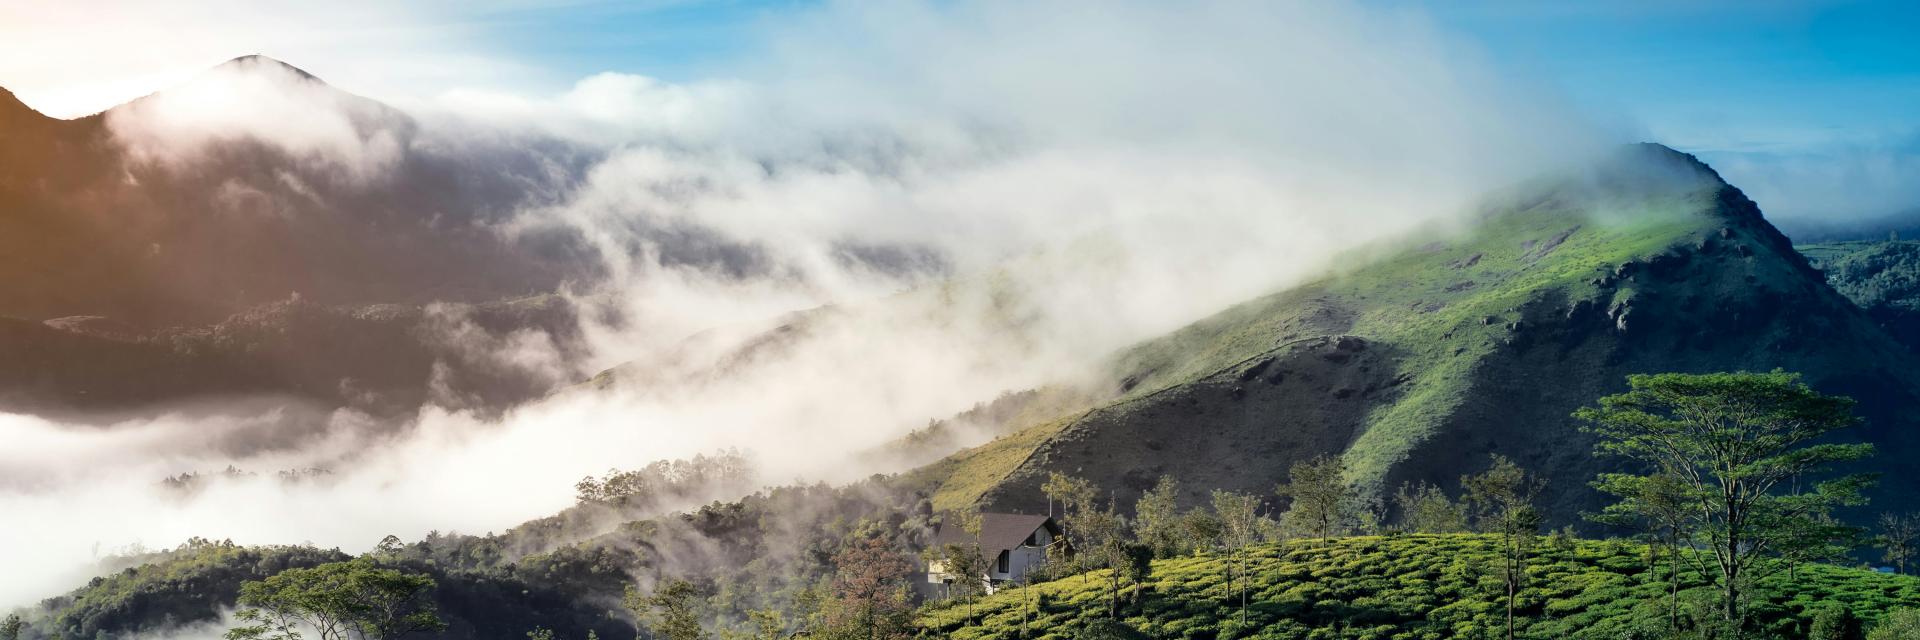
<point>1810,102</point>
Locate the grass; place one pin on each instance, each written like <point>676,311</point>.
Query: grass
<point>1407,587</point>
<point>963,477</point>
<point>1445,305</point>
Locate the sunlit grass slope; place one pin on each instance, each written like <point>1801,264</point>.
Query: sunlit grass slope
<point>1407,587</point>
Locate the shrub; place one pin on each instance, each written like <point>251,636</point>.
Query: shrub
<point>1834,623</point>
<point>1900,624</point>
<point>1109,629</point>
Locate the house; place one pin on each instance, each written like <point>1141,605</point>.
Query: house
<point>1011,546</point>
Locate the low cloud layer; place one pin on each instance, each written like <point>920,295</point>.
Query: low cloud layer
<point>939,201</point>
<point>1836,183</point>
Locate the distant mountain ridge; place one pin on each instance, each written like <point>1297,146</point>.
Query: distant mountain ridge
<point>169,230</point>
<point>87,227</point>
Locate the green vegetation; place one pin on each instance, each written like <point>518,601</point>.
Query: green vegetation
<point>1485,336</point>
<point>670,613</point>
<point>1874,275</point>
<point>338,600</point>
<point>1420,586</point>
<point>1729,445</point>
<point>1502,498</point>
<point>1881,277</point>
<point>187,585</point>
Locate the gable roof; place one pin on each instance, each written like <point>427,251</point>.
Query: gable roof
<point>998,531</point>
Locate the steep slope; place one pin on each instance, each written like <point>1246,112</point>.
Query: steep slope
<point>1420,361</point>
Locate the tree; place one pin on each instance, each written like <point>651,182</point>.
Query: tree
<point>870,592</point>
<point>1104,533</point>
<point>389,547</point>
<point>1202,529</point>
<point>1157,518</point>
<point>1661,505</point>
<point>1107,546</point>
<point>337,600</point>
<point>11,627</point>
<point>965,562</point>
<point>669,613</point>
<point>1072,494</point>
<point>1075,497</point>
<point>1503,501</point>
<point>1239,518</point>
<point>768,624</point>
<point>1733,440</point>
<point>1898,535</point>
<point>1424,508</point>
<point>1320,494</point>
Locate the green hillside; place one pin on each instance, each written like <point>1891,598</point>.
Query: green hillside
<point>1416,361</point>
<point>1405,587</point>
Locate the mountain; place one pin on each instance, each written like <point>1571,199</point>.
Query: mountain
<point>150,214</point>
<point>1417,362</point>
<point>258,231</point>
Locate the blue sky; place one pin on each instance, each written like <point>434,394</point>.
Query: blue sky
<point>1809,104</point>
<point>1721,76</point>
<point>1715,76</point>
<point>1766,90</point>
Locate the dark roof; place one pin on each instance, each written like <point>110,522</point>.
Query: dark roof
<point>998,531</point>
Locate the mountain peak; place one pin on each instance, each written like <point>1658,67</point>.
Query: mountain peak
<point>255,61</point>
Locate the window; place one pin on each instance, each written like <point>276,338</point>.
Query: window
<point>1003,564</point>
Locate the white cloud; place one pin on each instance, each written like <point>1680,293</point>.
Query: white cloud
<point>1836,181</point>
<point>337,133</point>
<point>1093,172</point>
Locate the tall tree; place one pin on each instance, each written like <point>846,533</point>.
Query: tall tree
<point>1238,515</point>
<point>1320,495</point>
<point>1075,497</point>
<point>1070,493</point>
<point>1105,532</point>
<point>1734,440</point>
<point>870,592</point>
<point>337,600</point>
<point>1661,505</point>
<point>965,562</point>
<point>1424,508</point>
<point>671,612</point>
<point>1156,518</point>
<point>1898,535</point>
<point>11,627</point>
<point>1502,497</point>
